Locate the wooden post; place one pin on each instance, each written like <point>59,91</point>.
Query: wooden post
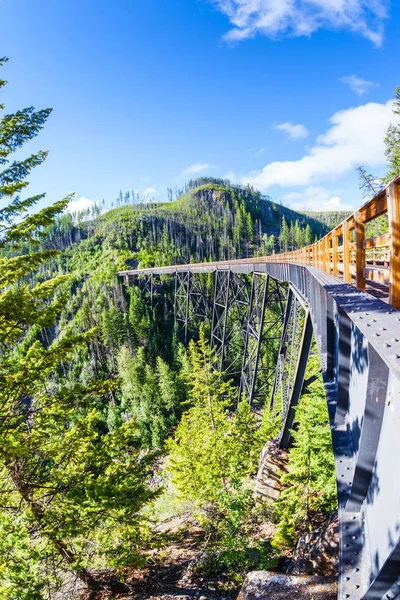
<point>322,254</point>
<point>326,267</point>
<point>346,252</point>
<point>393,204</point>
<point>335,266</point>
<point>360,250</point>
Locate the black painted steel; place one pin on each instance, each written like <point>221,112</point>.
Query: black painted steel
<point>263,332</point>
<point>298,382</point>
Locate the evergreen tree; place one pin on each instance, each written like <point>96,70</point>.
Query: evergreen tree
<point>367,183</point>
<point>66,487</point>
<point>284,236</point>
<point>211,449</point>
<point>392,142</point>
<point>310,485</point>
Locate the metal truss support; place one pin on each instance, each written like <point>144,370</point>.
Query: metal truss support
<point>156,290</point>
<point>181,300</point>
<point>144,284</point>
<point>262,336</point>
<point>292,362</point>
<point>231,301</point>
<point>198,297</point>
<point>305,346</point>
<point>220,313</point>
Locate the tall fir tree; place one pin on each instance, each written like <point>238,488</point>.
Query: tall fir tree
<point>70,494</point>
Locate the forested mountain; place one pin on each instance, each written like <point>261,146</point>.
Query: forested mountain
<point>213,220</point>
<point>330,219</point>
<point>101,404</point>
<point>145,379</point>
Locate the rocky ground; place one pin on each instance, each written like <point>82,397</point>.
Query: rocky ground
<point>171,571</point>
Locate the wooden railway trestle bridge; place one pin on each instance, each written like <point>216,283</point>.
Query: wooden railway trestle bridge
<point>320,291</point>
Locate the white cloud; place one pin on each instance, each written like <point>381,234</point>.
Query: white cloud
<point>316,198</point>
<point>197,168</point>
<point>150,191</point>
<point>274,18</point>
<point>294,131</point>
<point>232,176</point>
<point>358,85</point>
<point>79,205</point>
<point>355,137</point>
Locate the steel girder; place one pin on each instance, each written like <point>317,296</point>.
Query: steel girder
<point>144,284</point>
<point>152,288</point>
<point>198,297</point>
<point>292,362</point>
<point>190,299</point>
<point>181,300</point>
<point>263,332</point>
<point>229,322</point>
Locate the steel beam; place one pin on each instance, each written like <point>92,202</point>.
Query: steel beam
<point>231,301</point>
<point>293,400</point>
<point>198,298</point>
<point>220,314</point>
<point>263,332</point>
<point>181,300</point>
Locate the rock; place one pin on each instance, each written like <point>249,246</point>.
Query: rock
<point>263,585</point>
<point>317,552</point>
<point>273,463</point>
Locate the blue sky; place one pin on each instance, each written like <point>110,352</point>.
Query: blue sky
<point>285,94</point>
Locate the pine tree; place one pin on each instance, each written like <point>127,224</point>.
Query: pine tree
<point>284,236</point>
<point>367,183</point>
<point>211,449</point>
<point>392,142</point>
<point>66,487</point>
<point>310,485</point>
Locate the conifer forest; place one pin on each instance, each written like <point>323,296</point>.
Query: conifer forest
<point>112,425</point>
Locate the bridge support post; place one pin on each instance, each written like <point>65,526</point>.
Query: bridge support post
<point>263,332</point>
<point>220,314</point>
<point>181,300</point>
<point>393,204</point>
<point>305,346</point>
<point>360,250</point>
<point>197,296</point>
<point>231,301</point>
<point>292,361</point>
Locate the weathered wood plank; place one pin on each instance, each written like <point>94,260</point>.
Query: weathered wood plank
<point>393,205</point>
<point>380,241</point>
<point>346,252</point>
<point>360,250</point>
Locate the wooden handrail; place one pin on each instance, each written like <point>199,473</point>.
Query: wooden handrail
<point>374,259</point>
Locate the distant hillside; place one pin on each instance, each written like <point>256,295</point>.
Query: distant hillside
<point>329,218</point>
<point>212,220</point>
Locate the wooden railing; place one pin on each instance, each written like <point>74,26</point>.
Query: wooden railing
<point>345,252</point>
